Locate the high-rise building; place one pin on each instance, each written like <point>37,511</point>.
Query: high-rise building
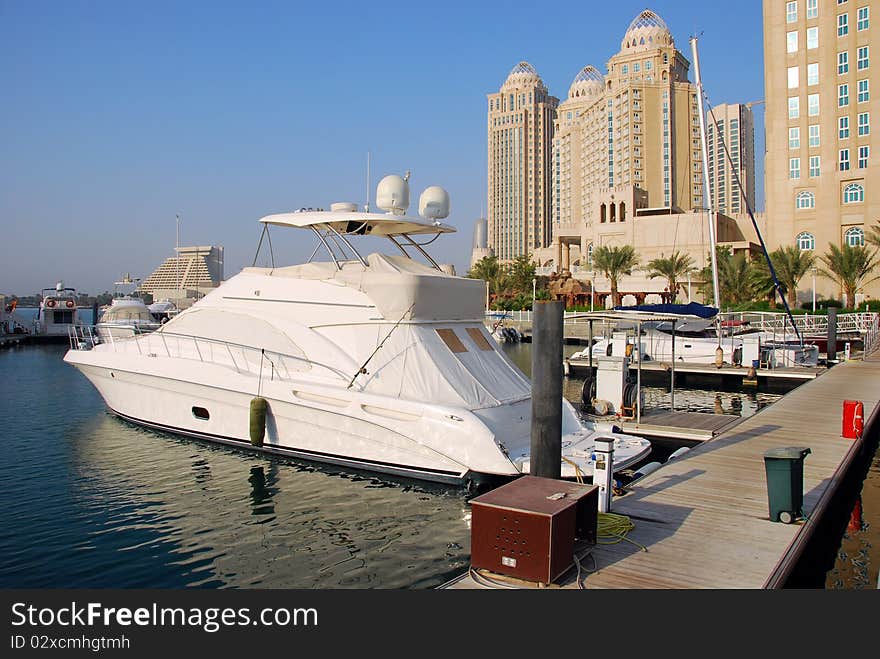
<point>625,141</point>
<point>730,141</point>
<point>822,179</point>
<point>192,273</point>
<point>520,132</point>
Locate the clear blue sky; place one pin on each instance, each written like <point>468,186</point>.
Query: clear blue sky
<point>118,115</point>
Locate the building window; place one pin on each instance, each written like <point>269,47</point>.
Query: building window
<point>794,107</point>
<point>814,135</point>
<point>842,25</point>
<point>805,241</point>
<point>814,166</point>
<point>812,38</point>
<point>791,12</point>
<point>854,237</point>
<point>864,151</point>
<point>842,62</point>
<point>843,160</point>
<point>862,19</point>
<point>853,194</point>
<point>813,74</point>
<point>804,200</point>
<point>794,168</point>
<point>864,124</point>
<point>792,77</point>
<point>812,8</point>
<point>864,96</point>
<point>842,95</point>
<point>862,59</point>
<point>794,138</point>
<point>791,43</point>
<point>843,127</point>
<point>813,105</point>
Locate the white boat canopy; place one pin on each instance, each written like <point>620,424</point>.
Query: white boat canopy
<point>358,223</point>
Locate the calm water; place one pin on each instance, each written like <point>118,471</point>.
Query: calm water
<point>91,501</point>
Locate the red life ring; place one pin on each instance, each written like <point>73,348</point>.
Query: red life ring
<point>70,304</point>
<point>50,303</point>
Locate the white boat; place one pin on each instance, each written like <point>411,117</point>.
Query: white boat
<point>163,310</point>
<point>57,312</point>
<point>126,316</point>
<point>696,340</point>
<point>379,363</point>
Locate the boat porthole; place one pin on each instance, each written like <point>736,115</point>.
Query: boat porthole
<point>112,374</point>
<point>201,413</point>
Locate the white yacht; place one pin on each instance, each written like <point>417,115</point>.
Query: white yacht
<point>696,340</point>
<point>379,363</point>
<point>126,316</point>
<point>58,311</point>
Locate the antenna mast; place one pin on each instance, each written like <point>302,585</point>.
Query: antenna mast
<point>367,205</point>
<point>707,192</point>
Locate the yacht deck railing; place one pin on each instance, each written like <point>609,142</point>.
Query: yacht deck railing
<point>240,357</point>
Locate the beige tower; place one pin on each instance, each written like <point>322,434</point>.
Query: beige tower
<point>730,140</point>
<point>626,141</point>
<point>822,179</point>
<point>520,132</point>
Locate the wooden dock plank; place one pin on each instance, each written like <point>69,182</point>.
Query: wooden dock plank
<point>704,516</point>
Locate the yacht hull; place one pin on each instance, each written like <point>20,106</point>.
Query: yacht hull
<point>330,425</point>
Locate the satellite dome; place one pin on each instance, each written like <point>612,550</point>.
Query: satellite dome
<point>588,82</point>
<point>392,194</point>
<point>647,31</point>
<point>522,75</point>
<point>434,203</point>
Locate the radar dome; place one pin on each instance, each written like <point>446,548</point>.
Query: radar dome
<point>392,194</point>
<point>343,207</point>
<point>434,203</point>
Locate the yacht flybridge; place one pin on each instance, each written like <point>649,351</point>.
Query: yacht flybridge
<point>379,363</point>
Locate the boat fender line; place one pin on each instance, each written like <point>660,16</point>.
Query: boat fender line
<point>259,408</point>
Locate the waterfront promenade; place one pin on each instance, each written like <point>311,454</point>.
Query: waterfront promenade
<point>704,518</point>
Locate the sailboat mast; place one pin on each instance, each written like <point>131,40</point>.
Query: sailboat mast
<point>707,192</point>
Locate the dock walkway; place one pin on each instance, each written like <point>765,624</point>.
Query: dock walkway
<point>704,517</point>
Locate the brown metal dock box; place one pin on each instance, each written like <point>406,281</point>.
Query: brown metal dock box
<point>527,528</point>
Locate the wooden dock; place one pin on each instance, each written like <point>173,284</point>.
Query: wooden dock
<point>704,516</point>
<point>688,426</point>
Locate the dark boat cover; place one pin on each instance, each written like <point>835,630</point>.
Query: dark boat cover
<point>692,309</point>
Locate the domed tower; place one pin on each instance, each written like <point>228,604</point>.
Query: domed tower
<point>568,209</point>
<point>520,132</point>
<point>652,141</point>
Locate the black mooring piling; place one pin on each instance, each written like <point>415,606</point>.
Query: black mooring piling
<point>546,437</point>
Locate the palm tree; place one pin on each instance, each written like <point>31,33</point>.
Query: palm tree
<point>849,266</point>
<point>614,262</point>
<point>790,264</point>
<point>672,268</point>
<point>872,235</point>
<point>735,277</point>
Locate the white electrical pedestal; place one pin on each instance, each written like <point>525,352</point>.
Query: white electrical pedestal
<point>751,349</point>
<point>603,472</point>
<point>611,375</point>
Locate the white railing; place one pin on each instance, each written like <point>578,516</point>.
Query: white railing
<point>872,337</point>
<point>816,325</point>
<point>239,357</point>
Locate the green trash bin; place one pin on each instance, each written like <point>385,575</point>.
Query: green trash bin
<point>785,482</point>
